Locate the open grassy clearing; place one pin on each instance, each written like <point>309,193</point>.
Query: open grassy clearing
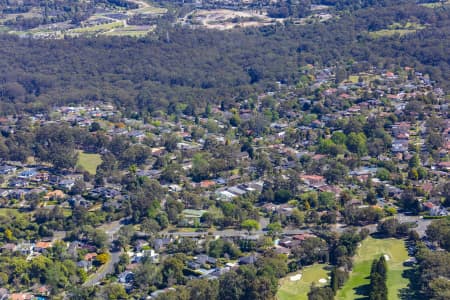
<point>357,285</point>
<point>4,212</point>
<point>98,28</point>
<point>435,4</point>
<point>298,290</point>
<point>89,161</point>
<point>134,31</point>
<point>397,28</point>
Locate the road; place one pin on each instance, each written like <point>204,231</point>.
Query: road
<point>110,229</point>
<point>421,227</point>
<point>104,270</point>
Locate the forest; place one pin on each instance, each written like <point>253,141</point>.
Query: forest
<point>179,67</point>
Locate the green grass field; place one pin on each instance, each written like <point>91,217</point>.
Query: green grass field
<point>98,28</point>
<point>9,212</point>
<point>356,286</point>
<point>435,4</point>
<point>298,290</point>
<point>397,28</point>
<point>89,161</point>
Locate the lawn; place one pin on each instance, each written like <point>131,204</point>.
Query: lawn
<point>298,290</point>
<point>89,161</point>
<point>8,212</point>
<point>356,286</point>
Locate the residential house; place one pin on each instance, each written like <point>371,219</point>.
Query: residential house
<point>246,260</point>
<point>42,246</point>
<point>313,180</point>
<point>126,277</point>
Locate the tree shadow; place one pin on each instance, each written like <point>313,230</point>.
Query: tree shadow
<point>412,291</point>
<point>362,292</point>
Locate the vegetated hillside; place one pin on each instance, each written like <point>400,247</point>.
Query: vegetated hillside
<point>193,67</point>
<point>32,13</point>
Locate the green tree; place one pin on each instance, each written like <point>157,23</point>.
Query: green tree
<point>250,225</point>
<point>357,143</point>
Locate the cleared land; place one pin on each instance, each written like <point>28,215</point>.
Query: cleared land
<point>298,290</point>
<point>357,285</point>
<point>223,19</point>
<point>89,161</point>
<point>435,4</point>
<point>9,212</point>
<point>397,28</point>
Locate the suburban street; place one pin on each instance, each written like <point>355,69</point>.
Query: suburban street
<point>110,229</point>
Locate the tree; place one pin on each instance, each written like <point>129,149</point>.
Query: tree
<point>102,258</point>
<point>274,229</point>
<point>99,238</point>
<point>203,289</point>
<point>172,271</point>
<point>200,167</point>
<point>383,174</point>
<point>231,286</point>
<point>357,143</point>
<point>250,225</point>
<point>114,291</point>
<point>378,273</point>
<point>147,275</point>
<point>320,293</point>
<point>388,227</point>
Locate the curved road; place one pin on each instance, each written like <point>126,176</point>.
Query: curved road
<point>110,229</point>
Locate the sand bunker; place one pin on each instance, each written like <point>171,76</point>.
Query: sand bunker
<point>386,257</point>
<point>322,280</point>
<point>296,277</point>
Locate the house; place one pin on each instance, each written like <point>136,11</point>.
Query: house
<point>20,296</point>
<point>102,192</point>
<point>84,264</point>
<point>237,191</point>
<point>207,184</point>
<point>205,260</point>
<point>191,216</point>
<point>3,293</point>
<point>66,184</point>
<point>4,170</point>
<point>25,248</point>
<point>282,250</point>
<point>126,277</point>
<point>225,195</point>
<point>400,145</point>
<point>193,265</point>
<point>27,174</point>
<point>42,246</point>
<point>269,207</point>
<point>313,180</point>
<point>90,256</point>
<point>444,166</point>
<point>42,290</point>
<point>4,193</point>
<point>161,243</point>
<point>56,194</point>
<point>9,247</point>
<point>241,156</point>
<point>246,260</point>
